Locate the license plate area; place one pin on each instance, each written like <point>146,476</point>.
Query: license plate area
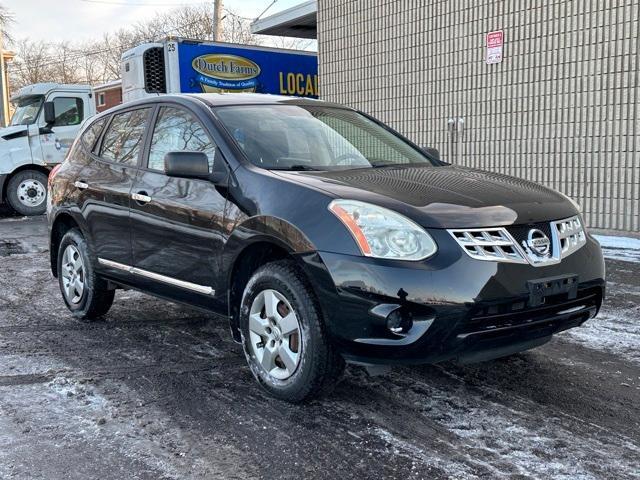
<point>542,288</point>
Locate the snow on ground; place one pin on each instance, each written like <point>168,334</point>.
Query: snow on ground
<point>613,330</point>
<point>620,248</point>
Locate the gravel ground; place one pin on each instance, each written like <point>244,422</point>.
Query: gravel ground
<point>159,391</point>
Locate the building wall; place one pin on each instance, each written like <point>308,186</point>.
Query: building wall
<point>562,109</point>
<point>112,97</point>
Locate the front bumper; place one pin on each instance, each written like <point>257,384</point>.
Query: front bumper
<point>460,308</point>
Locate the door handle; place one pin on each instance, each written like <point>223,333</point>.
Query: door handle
<point>141,197</point>
<point>81,185</point>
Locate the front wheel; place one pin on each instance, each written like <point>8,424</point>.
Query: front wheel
<point>27,192</point>
<point>284,336</point>
<point>86,295</point>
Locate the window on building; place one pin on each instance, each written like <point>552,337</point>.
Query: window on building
<point>123,140</point>
<point>69,111</point>
<point>177,130</point>
<point>101,100</point>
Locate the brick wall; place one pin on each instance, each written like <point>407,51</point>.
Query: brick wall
<point>112,97</point>
<point>561,109</point>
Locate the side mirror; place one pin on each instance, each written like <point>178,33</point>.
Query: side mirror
<point>49,113</point>
<point>187,164</point>
<point>432,152</point>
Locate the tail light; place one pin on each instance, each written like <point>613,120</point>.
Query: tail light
<point>52,173</point>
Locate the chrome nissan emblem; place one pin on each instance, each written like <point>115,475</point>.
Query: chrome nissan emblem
<point>539,243</point>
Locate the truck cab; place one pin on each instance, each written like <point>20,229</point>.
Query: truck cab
<point>45,122</point>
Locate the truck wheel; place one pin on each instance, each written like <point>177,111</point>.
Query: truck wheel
<point>27,192</point>
<point>86,295</point>
<point>284,336</point>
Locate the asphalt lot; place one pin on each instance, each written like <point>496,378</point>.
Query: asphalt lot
<point>159,391</point>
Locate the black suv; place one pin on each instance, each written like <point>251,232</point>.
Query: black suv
<point>321,234</point>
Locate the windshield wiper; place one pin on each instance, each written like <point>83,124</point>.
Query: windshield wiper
<point>301,168</point>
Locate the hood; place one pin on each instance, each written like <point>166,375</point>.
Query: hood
<point>7,133</point>
<point>445,197</point>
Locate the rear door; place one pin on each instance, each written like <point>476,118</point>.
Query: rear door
<point>177,222</point>
<point>107,182</point>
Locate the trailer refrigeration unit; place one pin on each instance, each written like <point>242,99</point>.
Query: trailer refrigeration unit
<point>178,65</point>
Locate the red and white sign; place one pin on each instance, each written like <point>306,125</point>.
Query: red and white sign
<point>495,44</point>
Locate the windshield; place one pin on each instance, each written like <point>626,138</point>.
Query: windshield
<point>288,137</point>
<point>27,109</point>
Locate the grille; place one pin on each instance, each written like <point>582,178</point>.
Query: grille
<point>520,233</point>
<point>570,235</point>
<point>489,244</point>
<point>154,77</point>
<point>512,244</point>
<point>516,312</point>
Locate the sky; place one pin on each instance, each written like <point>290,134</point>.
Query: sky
<point>73,20</point>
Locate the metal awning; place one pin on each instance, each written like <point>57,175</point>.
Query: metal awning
<point>300,21</point>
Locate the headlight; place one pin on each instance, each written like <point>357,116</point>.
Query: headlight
<point>382,233</point>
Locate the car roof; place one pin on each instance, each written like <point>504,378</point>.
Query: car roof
<point>224,99</point>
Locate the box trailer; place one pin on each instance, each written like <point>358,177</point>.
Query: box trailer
<point>177,65</point>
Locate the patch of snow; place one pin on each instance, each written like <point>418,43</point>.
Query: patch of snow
<point>616,331</point>
<point>494,440</point>
<point>620,248</point>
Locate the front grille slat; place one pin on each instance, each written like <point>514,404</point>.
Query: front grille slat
<point>513,244</point>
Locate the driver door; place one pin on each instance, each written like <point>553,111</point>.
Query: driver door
<point>70,111</point>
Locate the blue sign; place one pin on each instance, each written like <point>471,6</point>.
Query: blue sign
<point>217,68</point>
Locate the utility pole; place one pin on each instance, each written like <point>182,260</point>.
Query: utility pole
<point>217,20</point>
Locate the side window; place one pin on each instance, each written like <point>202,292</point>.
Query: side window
<point>92,133</point>
<point>123,139</point>
<point>69,111</point>
<point>178,130</point>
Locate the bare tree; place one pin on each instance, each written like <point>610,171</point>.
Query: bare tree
<point>6,19</point>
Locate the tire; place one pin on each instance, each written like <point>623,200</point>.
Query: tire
<point>27,192</point>
<point>317,365</point>
<point>94,299</point>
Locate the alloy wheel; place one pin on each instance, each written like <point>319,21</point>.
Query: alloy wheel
<point>73,278</point>
<point>275,335</point>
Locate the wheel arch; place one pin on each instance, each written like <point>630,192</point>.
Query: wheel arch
<point>62,223</point>
<point>254,243</point>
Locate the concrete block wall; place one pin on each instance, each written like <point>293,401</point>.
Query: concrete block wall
<point>562,109</point>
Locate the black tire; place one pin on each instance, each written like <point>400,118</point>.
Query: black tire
<point>320,366</point>
<point>13,196</point>
<point>96,298</point>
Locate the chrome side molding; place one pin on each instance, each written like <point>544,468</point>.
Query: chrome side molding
<point>157,277</point>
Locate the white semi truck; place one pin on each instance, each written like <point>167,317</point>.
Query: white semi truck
<point>46,120</point>
<point>48,115</point>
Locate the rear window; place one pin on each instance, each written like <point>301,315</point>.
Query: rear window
<point>92,133</point>
<point>123,140</point>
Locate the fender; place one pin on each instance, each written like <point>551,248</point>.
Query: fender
<point>262,228</point>
<point>54,217</point>
<point>252,231</point>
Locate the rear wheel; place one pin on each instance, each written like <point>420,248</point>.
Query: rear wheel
<point>27,192</point>
<point>284,338</point>
<point>86,295</point>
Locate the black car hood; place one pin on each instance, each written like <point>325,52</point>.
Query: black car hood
<point>445,197</point>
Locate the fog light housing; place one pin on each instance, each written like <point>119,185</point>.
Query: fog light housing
<point>400,321</point>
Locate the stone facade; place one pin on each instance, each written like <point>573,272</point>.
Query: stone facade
<point>562,108</point>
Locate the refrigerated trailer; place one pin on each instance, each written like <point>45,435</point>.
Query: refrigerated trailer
<point>177,65</point>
